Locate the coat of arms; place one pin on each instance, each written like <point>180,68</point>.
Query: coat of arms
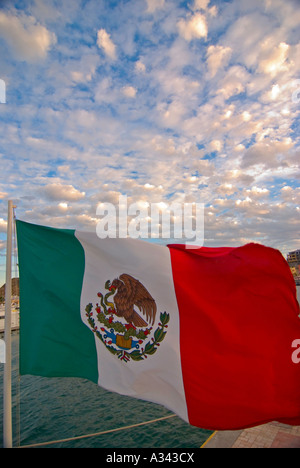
<point>124,331</point>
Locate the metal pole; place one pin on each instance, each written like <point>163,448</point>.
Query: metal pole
<point>7,403</point>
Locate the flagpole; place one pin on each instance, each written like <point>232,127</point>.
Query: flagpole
<point>7,402</point>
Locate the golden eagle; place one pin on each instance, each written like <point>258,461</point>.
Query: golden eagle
<point>130,293</point>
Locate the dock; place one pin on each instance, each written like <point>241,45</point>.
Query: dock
<point>271,435</point>
<point>15,320</point>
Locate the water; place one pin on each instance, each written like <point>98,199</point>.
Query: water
<point>58,408</point>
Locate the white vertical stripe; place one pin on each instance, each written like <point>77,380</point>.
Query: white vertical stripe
<point>159,377</point>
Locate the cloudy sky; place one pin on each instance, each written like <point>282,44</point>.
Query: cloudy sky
<point>159,100</point>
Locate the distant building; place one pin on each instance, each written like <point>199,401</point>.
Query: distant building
<point>293,259</point>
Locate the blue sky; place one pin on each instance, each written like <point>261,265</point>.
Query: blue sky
<point>161,100</point>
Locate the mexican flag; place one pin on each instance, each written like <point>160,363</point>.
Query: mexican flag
<point>205,332</point>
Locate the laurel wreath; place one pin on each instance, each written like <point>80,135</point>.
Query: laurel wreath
<point>138,354</point>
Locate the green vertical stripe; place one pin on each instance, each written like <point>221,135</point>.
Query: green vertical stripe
<point>54,342</point>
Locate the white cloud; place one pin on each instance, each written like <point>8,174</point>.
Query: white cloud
<point>204,167</point>
<point>239,147</point>
<point>217,56</point>
<point>246,45</point>
<point>200,4</point>
<point>175,84</point>
<point>267,154</point>
<point>193,28</point>
<point>153,5</point>
<point>163,146</point>
<point>104,42</point>
<point>287,13</point>
<point>104,91</point>
<point>27,39</point>
<point>59,191</point>
<point>216,145</point>
<point>203,5</point>
<point>257,192</point>
<point>3,225</point>
<point>63,206</point>
<point>83,70</point>
<point>140,67</point>
<point>226,189</point>
<point>238,177</point>
<point>234,82</point>
<point>146,125</point>
<point>275,61</point>
<point>172,113</point>
<point>290,194</point>
<point>129,91</point>
<point>43,10</point>
<point>246,116</point>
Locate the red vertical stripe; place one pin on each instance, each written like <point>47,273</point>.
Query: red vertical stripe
<point>238,319</point>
